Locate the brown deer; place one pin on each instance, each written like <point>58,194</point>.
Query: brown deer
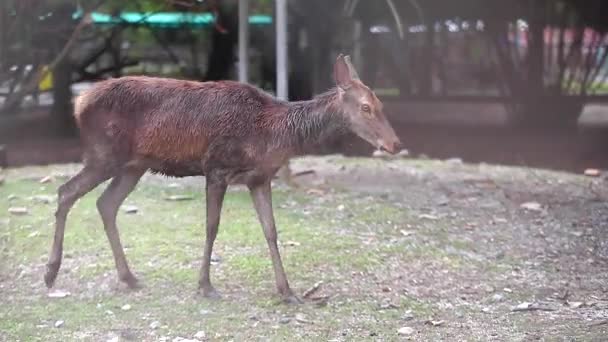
<point>229,132</point>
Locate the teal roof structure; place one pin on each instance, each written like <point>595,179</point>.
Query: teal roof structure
<point>166,19</point>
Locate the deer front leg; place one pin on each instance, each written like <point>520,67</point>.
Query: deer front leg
<point>215,191</point>
<point>262,200</point>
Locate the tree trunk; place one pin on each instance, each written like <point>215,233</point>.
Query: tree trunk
<point>61,111</point>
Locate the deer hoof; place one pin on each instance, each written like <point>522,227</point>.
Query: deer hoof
<point>50,275</point>
<point>292,300</point>
<point>210,293</point>
<point>132,282</point>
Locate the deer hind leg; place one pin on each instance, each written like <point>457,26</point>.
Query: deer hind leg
<point>79,185</point>
<point>108,205</point>
<point>262,201</point>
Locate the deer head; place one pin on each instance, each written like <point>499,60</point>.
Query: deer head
<point>362,109</point>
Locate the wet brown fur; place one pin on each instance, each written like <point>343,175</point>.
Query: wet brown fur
<point>178,127</point>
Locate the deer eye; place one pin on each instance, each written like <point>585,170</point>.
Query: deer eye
<point>366,109</point>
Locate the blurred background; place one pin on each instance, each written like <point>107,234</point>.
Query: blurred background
<point>516,82</point>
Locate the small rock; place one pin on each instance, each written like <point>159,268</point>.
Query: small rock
<point>130,209</point>
<point>44,199</point>
<point>489,289</point>
<point>200,335</point>
<point>58,294</point>
<point>532,206</point>
<point>592,172</point>
<point>126,307</point>
<point>154,325</point>
<point>113,339</point>
<point>485,310</point>
<point>292,243</point>
<point>341,207</point>
<point>507,290</point>
<point>59,323</point>
<point>284,320</point>
<point>33,234</point>
<point>497,297</point>
<point>386,289</point>
<point>204,311</point>
<point>407,316</point>
<point>405,331</point>
<point>46,179</point>
<point>18,211</point>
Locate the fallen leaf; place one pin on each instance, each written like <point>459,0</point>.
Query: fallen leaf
<point>576,305</point>
<point>532,206</point>
<point>58,294</point>
<point>313,289</point>
<point>592,172</point>
<point>130,209</point>
<point>428,217</point>
<point>178,198</point>
<point>526,306</point>
<point>46,179</point>
<point>403,153</point>
<point>434,323</point>
<point>314,191</point>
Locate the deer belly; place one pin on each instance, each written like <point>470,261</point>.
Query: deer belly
<point>170,145</point>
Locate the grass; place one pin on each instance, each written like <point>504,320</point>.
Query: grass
<point>163,243</point>
<point>369,250</point>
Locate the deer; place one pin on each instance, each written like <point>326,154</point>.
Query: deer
<point>228,132</point>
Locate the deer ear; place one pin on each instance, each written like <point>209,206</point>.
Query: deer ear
<point>351,68</point>
<point>342,73</point>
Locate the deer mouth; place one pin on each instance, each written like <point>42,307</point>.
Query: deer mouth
<point>391,148</point>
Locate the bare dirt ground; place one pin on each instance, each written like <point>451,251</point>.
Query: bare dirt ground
<point>406,249</point>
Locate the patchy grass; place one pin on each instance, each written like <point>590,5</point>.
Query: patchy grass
<point>163,243</point>
<point>385,262</point>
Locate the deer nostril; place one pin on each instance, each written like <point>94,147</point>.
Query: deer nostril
<point>397,146</point>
